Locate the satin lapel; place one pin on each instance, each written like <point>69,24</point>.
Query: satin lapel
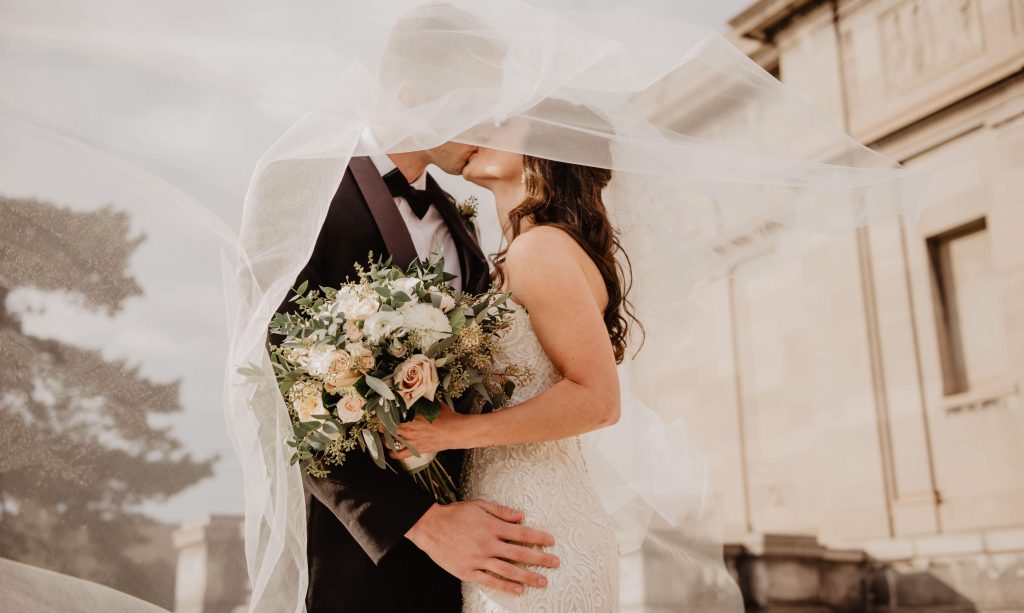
<point>471,258</point>
<point>382,206</point>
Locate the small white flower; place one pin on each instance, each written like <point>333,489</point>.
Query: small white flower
<point>380,324</point>
<point>319,359</point>
<point>428,321</point>
<point>406,285</point>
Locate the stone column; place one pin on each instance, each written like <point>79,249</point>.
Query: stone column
<point>211,575</point>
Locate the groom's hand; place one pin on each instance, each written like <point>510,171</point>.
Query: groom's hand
<point>478,541</point>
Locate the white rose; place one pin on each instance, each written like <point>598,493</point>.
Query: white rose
<point>319,359</point>
<point>348,302</point>
<point>416,378</point>
<point>380,324</point>
<point>447,303</point>
<point>405,285</point>
<point>345,299</point>
<point>350,408</point>
<point>429,322</point>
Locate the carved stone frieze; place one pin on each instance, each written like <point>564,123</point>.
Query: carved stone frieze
<point>920,38</point>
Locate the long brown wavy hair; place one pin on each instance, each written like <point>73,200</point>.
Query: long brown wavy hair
<point>568,197</point>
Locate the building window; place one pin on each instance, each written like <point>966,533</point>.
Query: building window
<point>969,322</point>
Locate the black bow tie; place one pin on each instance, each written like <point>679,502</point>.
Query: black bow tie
<point>419,199</point>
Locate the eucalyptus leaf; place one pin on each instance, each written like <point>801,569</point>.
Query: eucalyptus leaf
<point>457,318</point>
<point>378,386</point>
<point>375,447</point>
<point>427,409</point>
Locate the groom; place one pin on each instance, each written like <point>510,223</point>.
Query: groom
<point>375,540</point>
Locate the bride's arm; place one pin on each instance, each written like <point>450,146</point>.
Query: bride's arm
<point>546,270</point>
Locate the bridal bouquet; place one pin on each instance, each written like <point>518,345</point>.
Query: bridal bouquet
<point>358,360</point>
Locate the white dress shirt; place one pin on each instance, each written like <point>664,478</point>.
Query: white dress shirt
<point>428,232</point>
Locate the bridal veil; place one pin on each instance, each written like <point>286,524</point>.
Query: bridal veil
<point>242,116</point>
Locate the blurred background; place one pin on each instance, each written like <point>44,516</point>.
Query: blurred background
<point>861,406</point>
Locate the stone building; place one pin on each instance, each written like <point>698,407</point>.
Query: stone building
<point>864,402</point>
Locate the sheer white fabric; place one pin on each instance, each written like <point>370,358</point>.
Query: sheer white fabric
<point>245,114</point>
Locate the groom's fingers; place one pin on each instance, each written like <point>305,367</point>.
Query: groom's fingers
<point>525,535</point>
<point>489,580</point>
<point>502,512</point>
<point>525,555</point>
<point>515,573</point>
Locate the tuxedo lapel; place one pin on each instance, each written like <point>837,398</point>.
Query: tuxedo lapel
<point>472,261</point>
<point>385,214</point>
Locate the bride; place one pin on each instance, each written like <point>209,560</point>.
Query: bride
<point>570,328</point>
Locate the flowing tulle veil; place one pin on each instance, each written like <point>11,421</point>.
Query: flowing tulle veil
<point>735,168</point>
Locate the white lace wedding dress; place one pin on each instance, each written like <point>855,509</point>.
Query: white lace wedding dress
<point>549,481</point>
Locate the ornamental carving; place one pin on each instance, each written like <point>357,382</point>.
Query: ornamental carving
<point>922,37</point>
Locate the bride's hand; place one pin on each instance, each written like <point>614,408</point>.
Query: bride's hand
<point>424,436</point>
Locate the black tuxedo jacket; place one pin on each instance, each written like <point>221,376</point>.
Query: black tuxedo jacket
<point>357,517</point>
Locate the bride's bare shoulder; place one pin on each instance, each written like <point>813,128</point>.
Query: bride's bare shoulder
<point>546,257</point>
<point>541,246</point>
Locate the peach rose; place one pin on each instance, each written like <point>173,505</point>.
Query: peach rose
<point>340,371</point>
<point>352,331</point>
<point>416,378</point>
<point>350,408</point>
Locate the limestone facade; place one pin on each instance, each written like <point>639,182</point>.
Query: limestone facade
<point>869,394</point>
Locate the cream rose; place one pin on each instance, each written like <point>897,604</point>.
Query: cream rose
<point>352,331</point>
<point>309,404</point>
<point>362,357</point>
<point>350,408</point>
<point>416,378</point>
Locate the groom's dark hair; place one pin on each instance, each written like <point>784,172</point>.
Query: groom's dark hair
<point>434,46</point>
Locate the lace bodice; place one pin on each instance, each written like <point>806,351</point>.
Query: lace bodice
<point>549,481</point>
